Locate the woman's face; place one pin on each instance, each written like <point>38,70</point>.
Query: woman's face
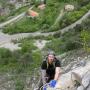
<point>50,58</point>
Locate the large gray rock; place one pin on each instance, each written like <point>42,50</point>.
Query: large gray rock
<point>88,87</point>
<point>85,84</point>
<point>80,88</point>
<point>77,77</point>
<point>86,80</point>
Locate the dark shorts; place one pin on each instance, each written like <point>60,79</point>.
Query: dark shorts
<point>48,79</point>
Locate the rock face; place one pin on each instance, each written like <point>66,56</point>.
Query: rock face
<point>85,84</point>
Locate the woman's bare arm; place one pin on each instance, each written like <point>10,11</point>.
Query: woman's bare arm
<point>57,73</point>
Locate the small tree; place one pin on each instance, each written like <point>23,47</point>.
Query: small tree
<point>85,37</point>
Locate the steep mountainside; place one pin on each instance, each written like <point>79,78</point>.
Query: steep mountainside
<point>20,69</point>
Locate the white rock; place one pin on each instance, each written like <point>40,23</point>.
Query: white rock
<point>86,79</point>
<point>80,88</point>
<point>69,7</point>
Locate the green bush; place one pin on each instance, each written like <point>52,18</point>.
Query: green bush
<point>85,37</point>
<point>27,46</point>
<point>6,57</point>
<point>78,28</point>
<point>2,18</point>
<point>43,22</point>
<point>19,85</point>
<point>37,59</point>
<point>54,45</point>
<point>5,53</point>
<point>20,61</point>
<point>71,17</point>
<point>71,45</point>
<point>57,35</point>
<point>83,2</point>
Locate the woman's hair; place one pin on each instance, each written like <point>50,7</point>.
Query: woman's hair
<point>51,53</point>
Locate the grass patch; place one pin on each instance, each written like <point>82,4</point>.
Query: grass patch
<point>43,22</point>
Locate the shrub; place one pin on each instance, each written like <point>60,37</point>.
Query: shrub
<point>71,45</point>
<point>85,37</point>
<point>27,46</point>
<point>19,85</point>
<point>44,21</point>
<point>73,16</point>
<point>57,35</point>
<point>78,28</point>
